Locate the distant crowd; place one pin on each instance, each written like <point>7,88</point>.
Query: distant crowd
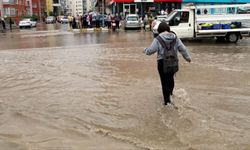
<point>91,20</point>
<point>4,22</point>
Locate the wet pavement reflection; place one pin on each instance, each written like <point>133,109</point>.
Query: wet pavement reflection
<point>60,90</point>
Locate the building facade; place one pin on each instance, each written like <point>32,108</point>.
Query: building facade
<point>49,7</point>
<point>1,8</point>
<point>38,9</point>
<point>79,7</point>
<point>15,9</point>
<point>141,7</point>
<point>90,5</point>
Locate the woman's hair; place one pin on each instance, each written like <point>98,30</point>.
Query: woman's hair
<point>163,26</point>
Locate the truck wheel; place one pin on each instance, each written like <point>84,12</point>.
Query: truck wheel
<point>232,37</point>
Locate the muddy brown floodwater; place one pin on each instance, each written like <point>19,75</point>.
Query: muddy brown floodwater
<point>64,91</point>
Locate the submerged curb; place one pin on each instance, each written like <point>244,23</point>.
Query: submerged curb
<point>89,30</point>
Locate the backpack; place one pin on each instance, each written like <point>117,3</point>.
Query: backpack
<point>170,57</point>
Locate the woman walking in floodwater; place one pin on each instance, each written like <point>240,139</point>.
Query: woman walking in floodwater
<point>168,39</point>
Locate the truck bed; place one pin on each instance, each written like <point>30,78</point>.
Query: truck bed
<point>222,18</point>
<point>224,30</point>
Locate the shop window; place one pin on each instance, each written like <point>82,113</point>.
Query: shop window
<point>34,5</point>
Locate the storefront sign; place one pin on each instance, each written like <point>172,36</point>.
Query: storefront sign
<point>144,1</point>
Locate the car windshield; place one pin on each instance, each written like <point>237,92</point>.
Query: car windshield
<point>26,19</point>
<point>132,18</point>
<point>171,15</point>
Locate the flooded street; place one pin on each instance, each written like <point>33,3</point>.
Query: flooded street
<point>65,91</point>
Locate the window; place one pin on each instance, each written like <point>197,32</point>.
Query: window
<point>132,18</point>
<point>10,11</point>
<point>179,17</point>
<point>184,17</point>
<point>34,5</point>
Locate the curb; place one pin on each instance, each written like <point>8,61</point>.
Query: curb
<point>89,30</point>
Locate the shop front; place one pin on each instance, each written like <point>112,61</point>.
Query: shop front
<point>141,7</point>
<point>155,7</point>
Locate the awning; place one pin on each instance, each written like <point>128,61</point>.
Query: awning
<point>169,1</point>
<point>124,1</point>
<point>146,1</point>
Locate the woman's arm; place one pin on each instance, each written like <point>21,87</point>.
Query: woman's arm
<point>153,48</point>
<point>183,50</point>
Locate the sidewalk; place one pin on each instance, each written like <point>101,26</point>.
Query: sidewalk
<point>84,30</point>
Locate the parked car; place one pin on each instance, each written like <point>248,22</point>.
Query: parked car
<point>132,21</point>
<point>59,18</point>
<point>50,19</point>
<point>28,22</point>
<point>64,20</point>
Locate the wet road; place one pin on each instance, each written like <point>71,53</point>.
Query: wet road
<point>60,90</point>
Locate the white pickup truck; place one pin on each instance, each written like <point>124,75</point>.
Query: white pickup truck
<point>186,23</point>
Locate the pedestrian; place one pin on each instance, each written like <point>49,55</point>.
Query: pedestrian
<point>169,39</point>
<point>3,24</point>
<point>77,24</point>
<point>70,19</point>
<point>109,20</point>
<point>97,20</point>
<point>80,21</point>
<point>90,20</point>
<point>145,22</point>
<point>150,21</point>
<point>74,24</point>
<point>10,23</point>
<point>117,21</point>
<point>84,21</point>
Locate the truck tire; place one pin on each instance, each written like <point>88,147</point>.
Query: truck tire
<point>232,37</point>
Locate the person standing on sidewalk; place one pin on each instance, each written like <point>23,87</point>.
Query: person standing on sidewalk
<point>70,19</point>
<point>109,20</point>
<point>145,22</point>
<point>1,25</point>
<point>117,21</point>
<point>10,23</point>
<point>173,43</point>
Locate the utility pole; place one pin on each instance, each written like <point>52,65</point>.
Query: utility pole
<point>39,11</point>
<point>103,10</point>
